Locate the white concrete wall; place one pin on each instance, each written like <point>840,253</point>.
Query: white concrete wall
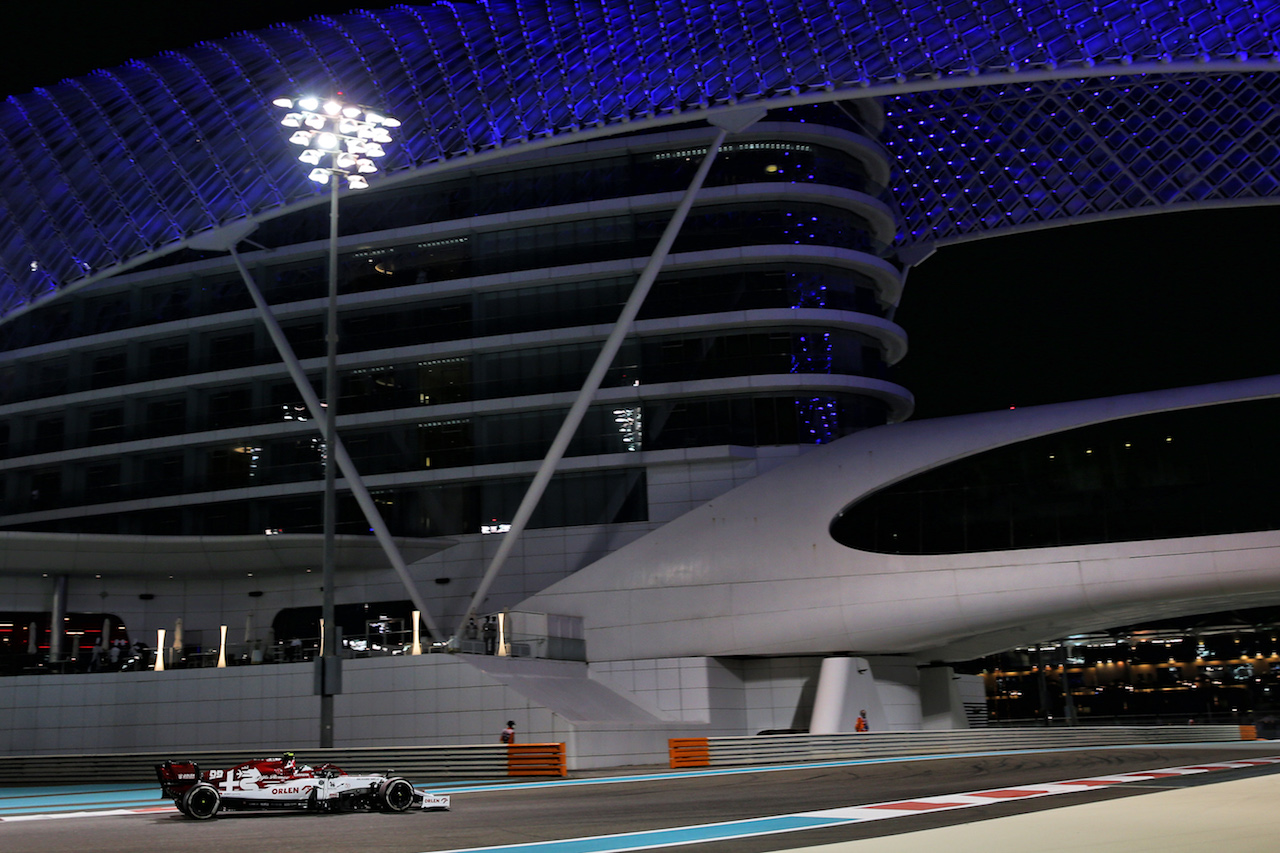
<point>731,697</point>
<point>941,705</point>
<point>779,692</point>
<point>675,487</point>
<point>431,699</point>
<point>897,683</point>
<point>425,700</point>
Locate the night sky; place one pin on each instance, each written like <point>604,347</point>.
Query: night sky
<point>1138,304</point>
<point>1067,313</point>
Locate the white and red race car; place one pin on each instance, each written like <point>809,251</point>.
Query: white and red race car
<point>282,783</point>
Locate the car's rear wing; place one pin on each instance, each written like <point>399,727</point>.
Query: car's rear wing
<point>176,777</point>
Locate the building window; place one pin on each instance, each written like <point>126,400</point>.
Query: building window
<point>1190,473</point>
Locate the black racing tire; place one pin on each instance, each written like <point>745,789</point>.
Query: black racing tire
<point>201,802</point>
<point>395,795</point>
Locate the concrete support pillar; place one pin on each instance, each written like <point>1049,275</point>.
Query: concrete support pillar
<point>58,619</point>
<point>222,647</point>
<point>846,687</point>
<point>158,666</point>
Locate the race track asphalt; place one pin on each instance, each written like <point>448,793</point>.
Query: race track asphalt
<point>649,800</point>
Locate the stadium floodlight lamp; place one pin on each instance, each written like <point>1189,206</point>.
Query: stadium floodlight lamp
<point>347,134</point>
<point>337,140</point>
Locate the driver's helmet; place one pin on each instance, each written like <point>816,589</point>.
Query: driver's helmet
<point>286,762</point>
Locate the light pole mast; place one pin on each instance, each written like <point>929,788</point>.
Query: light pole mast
<point>339,140</point>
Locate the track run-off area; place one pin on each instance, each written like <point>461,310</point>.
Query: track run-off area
<point>737,810</point>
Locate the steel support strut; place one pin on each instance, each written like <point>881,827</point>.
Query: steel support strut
<point>337,451</point>
<point>592,384</point>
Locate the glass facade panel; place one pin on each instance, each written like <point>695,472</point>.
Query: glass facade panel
<point>419,352</point>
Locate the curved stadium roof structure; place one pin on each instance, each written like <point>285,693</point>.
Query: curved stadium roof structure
<point>1001,114</point>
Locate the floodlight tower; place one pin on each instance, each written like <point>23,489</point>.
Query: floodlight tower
<point>340,141</point>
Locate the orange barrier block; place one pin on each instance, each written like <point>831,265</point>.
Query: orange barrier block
<point>536,759</point>
<point>1248,733</point>
<point>688,752</point>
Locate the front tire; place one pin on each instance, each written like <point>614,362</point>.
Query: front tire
<point>201,802</point>
<point>395,795</point>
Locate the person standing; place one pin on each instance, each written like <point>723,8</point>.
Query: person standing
<point>508,735</point>
<point>490,635</point>
<point>861,724</point>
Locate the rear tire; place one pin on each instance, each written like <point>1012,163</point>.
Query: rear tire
<point>395,795</point>
<point>201,802</point>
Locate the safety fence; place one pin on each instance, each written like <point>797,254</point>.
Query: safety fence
<point>418,763</point>
<point>781,749</point>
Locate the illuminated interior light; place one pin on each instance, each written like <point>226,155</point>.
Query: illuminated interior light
<point>315,121</point>
<point>292,120</point>
<point>328,141</point>
<point>302,137</point>
<point>312,156</point>
<point>320,176</point>
<point>286,103</point>
<point>308,103</point>
<point>332,107</point>
<point>357,182</point>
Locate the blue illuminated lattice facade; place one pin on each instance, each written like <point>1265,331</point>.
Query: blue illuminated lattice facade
<point>112,167</point>
<point>1018,156</point>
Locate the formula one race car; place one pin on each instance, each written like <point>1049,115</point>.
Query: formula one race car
<point>281,783</point>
